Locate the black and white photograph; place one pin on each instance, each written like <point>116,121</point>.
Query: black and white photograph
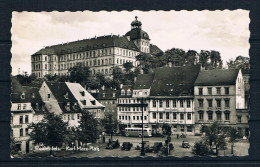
<point>130,84</point>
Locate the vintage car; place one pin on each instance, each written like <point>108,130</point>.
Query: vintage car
<point>185,144</point>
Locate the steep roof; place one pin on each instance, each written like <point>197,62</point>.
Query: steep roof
<point>137,33</point>
<point>107,94</point>
<point>125,88</point>
<point>59,90</point>
<point>144,81</point>
<point>89,44</point>
<point>217,77</point>
<point>174,81</point>
<point>18,91</point>
<point>154,49</point>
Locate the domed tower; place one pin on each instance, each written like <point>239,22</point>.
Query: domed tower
<point>138,36</point>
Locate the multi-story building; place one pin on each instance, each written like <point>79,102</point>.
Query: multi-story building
<point>218,96</point>
<point>168,100</point>
<point>108,98</point>
<point>99,53</point>
<point>69,100</point>
<point>21,117</point>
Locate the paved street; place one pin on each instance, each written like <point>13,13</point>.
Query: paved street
<point>240,148</point>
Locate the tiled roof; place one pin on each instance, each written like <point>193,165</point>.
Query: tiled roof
<point>137,34</point>
<point>174,81</point>
<point>17,91</point>
<point>154,49</point>
<point>217,77</point>
<point>144,81</point>
<point>89,44</point>
<point>125,88</point>
<point>59,90</point>
<point>70,109</point>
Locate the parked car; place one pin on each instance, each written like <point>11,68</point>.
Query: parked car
<point>165,150</point>
<point>113,145</point>
<point>157,146</point>
<point>158,134</point>
<point>185,144</point>
<point>139,146</point>
<point>127,146</point>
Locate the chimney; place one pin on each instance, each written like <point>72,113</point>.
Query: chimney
<point>170,64</point>
<point>141,71</point>
<point>121,86</point>
<point>103,87</point>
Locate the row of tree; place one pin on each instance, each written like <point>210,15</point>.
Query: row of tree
<point>52,131</point>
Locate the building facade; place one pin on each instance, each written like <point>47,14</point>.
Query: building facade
<point>99,53</point>
<point>218,95</point>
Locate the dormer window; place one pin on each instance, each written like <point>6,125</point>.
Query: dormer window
<point>129,92</point>
<point>122,92</point>
<point>104,94</point>
<point>82,93</point>
<point>114,94</point>
<point>37,107</point>
<point>75,106</point>
<point>93,102</point>
<point>33,95</point>
<point>83,102</point>
<point>68,107</point>
<point>23,96</point>
<point>66,96</point>
<point>43,107</point>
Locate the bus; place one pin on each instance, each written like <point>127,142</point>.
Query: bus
<point>137,132</point>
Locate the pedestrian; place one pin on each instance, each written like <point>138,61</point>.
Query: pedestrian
<point>177,136</point>
<point>104,139</point>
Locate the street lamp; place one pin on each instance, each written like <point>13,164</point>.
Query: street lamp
<point>142,149</point>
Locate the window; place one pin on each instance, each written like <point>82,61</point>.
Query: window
<point>181,116</point>
<point>181,103</point>
<point>210,91</point>
<point>154,115</point>
<point>188,103</point>
<point>161,115</point>
<point>68,117</point>
<point>82,93</point>
<point>78,115</point>
<point>23,96</point>
<point>21,132</point>
<point>24,106</point>
<point>227,90</point>
<point>26,118</point>
<point>239,119</point>
<point>174,103</point>
<point>154,103</point>
<point>218,116</point>
<point>200,91</point>
<point>227,103</point>
<point>119,117</point>
<point>174,115</point>
<point>125,117</point>
<point>200,102</point>
<point>26,131</point>
<point>145,117</point>
<point>189,116</point>
<point>19,107</point>
<point>122,92</point>
<point>227,116</point>
<point>189,128</point>
<point>167,103</point>
<point>137,117</point>
<point>218,102</point>
<point>209,102</point>
<point>21,119</point>
<point>49,95</point>
<point>167,115</point>
<point>201,115</point>
<point>160,103</point>
<point>72,116</point>
<point>133,117</point>
<point>210,115</point>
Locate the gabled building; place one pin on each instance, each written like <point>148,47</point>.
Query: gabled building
<point>218,96</point>
<point>21,116</point>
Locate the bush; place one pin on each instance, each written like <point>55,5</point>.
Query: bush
<point>200,148</point>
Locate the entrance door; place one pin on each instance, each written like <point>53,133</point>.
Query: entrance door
<point>27,146</point>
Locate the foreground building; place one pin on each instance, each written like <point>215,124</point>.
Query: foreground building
<point>99,53</point>
<point>219,94</point>
<point>168,100</point>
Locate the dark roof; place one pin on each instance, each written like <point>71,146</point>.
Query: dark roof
<point>154,49</point>
<point>174,81</point>
<point>89,44</point>
<point>108,92</point>
<point>144,81</point>
<point>59,90</point>
<point>72,109</point>
<point>245,71</point>
<point>17,91</point>
<point>137,33</point>
<point>217,77</point>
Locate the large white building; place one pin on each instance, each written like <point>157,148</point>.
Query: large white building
<point>99,53</point>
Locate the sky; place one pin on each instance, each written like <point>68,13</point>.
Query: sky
<point>224,31</point>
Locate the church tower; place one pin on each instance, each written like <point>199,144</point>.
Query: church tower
<point>138,36</point>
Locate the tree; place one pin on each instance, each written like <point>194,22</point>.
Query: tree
<point>51,131</point>
<point>80,74</point>
<point>128,67</point>
<point>200,148</point>
<point>25,79</point>
<point>88,128</point>
<point>239,63</point>
<point>233,136</point>
<point>214,135</point>
<point>110,125</point>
